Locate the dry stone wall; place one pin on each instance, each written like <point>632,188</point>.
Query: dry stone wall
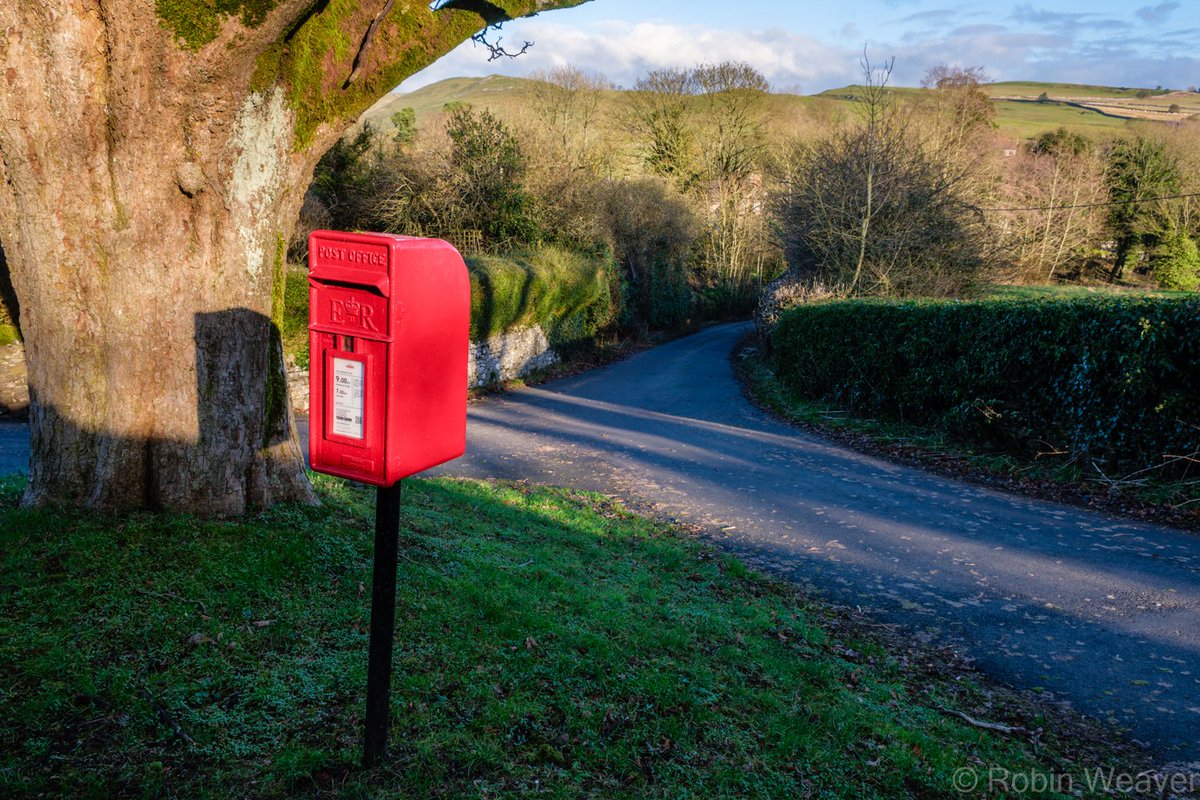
<point>501,358</point>
<point>14,386</point>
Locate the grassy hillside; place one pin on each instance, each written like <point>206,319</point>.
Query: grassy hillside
<point>1024,118</point>
<point>1028,119</point>
<point>1087,109</point>
<point>493,91</point>
<point>1122,103</point>
<point>1035,88</point>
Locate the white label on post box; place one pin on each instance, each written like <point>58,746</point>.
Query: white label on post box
<point>348,398</point>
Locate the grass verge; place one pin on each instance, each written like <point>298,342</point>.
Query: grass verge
<point>1170,502</point>
<point>548,642</point>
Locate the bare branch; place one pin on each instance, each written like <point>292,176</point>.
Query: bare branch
<point>495,49</point>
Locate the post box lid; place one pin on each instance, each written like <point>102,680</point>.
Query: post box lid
<point>363,259</point>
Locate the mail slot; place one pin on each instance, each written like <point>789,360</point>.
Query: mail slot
<point>388,340</point>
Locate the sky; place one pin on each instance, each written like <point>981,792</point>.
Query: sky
<point>806,47</point>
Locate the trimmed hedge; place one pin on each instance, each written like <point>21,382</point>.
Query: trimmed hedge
<point>1115,381</point>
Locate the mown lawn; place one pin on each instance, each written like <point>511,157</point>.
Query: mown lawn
<point>549,643</point>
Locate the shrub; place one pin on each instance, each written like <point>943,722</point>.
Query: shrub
<point>879,210</point>
<point>570,295</point>
<point>650,230</point>
<point>1175,263</point>
<point>1112,381</point>
<point>489,172</point>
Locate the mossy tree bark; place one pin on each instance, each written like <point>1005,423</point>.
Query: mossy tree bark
<point>153,156</point>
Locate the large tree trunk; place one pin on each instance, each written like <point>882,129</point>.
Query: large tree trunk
<point>145,262</point>
<point>146,192</point>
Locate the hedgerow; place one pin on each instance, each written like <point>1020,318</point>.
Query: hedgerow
<point>568,294</point>
<point>1114,382</point>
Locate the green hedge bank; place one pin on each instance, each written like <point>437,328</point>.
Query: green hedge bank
<point>1115,381</point>
<point>569,294</point>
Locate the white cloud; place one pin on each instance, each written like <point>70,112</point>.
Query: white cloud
<point>625,51</point>
<point>1073,48</point>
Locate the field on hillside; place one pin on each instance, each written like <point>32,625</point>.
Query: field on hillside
<point>1020,116</point>
<point>1143,104</point>
<point>1028,119</point>
<point>494,91</point>
<point>1035,88</point>
<point>511,98</point>
<point>1087,109</point>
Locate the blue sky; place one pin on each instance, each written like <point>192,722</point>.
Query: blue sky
<point>812,46</point>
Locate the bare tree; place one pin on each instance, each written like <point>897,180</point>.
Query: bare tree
<point>733,95</point>
<point>960,109</point>
<point>567,99</point>
<point>875,107</point>
<point>731,123</point>
<point>658,111</point>
<point>873,208</point>
<point>1051,188</point>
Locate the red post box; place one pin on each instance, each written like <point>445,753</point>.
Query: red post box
<point>388,340</point>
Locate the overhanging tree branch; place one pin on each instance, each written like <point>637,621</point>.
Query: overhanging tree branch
<point>495,49</point>
<point>366,42</point>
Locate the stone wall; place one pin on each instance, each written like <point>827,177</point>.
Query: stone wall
<point>501,358</point>
<point>14,386</point>
<point>509,356</point>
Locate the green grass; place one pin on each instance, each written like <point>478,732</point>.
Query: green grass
<point>548,643</point>
<point>1069,292</point>
<point>1071,90</point>
<point>9,334</point>
<point>1028,120</point>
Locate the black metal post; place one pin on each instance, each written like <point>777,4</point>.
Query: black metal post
<point>383,623</point>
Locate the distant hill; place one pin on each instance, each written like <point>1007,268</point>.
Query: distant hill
<point>491,91</point>
<point>1019,113</point>
<point>1119,103</point>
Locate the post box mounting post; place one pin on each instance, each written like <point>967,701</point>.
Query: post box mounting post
<point>383,623</point>
<point>388,322</point>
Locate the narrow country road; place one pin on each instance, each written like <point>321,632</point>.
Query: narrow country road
<point>1101,611</point>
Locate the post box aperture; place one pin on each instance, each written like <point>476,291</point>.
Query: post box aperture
<point>388,341</point>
